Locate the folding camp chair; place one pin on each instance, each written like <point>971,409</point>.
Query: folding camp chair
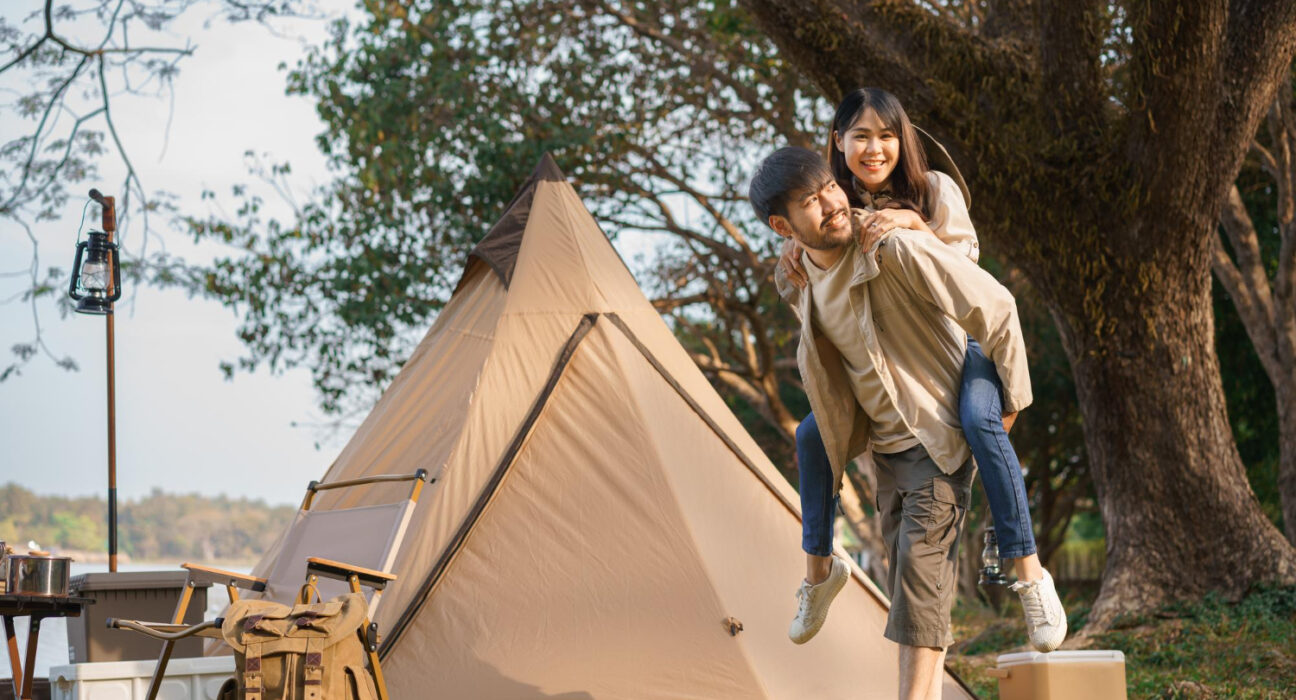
<point>356,562</point>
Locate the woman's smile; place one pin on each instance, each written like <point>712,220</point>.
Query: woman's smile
<point>872,150</point>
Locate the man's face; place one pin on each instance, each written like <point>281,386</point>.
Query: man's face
<point>818,219</point>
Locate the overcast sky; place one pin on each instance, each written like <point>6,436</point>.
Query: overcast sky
<point>180,426</point>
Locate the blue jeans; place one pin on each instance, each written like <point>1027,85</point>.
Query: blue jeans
<point>981,412</point>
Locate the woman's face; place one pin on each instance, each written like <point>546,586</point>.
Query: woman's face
<point>871,148</point>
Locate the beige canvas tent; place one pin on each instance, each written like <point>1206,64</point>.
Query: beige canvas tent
<point>599,513</point>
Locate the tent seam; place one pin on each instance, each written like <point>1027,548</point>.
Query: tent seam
<point>474,515</point>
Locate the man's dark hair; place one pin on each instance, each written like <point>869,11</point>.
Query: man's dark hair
<point>786,173</point>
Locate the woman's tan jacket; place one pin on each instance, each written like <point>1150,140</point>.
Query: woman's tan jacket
<point>917,299</point>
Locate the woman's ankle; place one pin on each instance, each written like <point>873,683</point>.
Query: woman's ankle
<point>818,568</point>
<point>1028,568</point>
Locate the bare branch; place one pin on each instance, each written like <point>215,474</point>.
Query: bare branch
<point>1246,283</point>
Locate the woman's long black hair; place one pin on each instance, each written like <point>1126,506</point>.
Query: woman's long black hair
<point>909,179</point>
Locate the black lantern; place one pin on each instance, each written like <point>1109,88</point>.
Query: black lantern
<point>991,565</point>
<point>96,261</point>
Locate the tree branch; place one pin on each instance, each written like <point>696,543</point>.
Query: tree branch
<point>1011,20</point>
<point>1261,42</point>
<point>1246,282</point>
<point>894,44</point>
<point>1071,42</point>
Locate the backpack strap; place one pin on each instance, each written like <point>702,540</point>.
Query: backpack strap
<point>252,688</point>
<point>313,678</point>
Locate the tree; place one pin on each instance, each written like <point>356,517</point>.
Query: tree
<point>1263,286</point>
<point>1140,113</point>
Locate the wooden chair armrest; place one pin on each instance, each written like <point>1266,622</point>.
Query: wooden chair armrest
<point>341,570</point>
<point>207,574</point>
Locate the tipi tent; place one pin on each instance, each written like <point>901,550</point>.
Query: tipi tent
<point>600,519</point>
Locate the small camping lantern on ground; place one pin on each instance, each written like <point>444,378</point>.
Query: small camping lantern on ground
<point>96,261</point>
<point>991,565</point>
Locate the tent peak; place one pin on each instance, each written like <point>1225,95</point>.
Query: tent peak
<point>546,170</point>
<point>500,246</point>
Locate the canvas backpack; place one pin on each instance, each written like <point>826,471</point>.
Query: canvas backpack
<point>303,652</point>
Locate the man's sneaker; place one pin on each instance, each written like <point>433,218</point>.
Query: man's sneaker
<point>814,600</point>
<point>1045,619</point>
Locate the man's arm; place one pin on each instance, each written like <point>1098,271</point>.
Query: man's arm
<point>975,300</point>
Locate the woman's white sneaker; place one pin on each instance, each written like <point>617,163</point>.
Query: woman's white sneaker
<point>813,602</point>
<point>1045,619</point>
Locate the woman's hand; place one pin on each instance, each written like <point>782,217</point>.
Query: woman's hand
<point>868,235</point>
<point>1008,420</point>
<point>790,261</point>
<point>883,220</point>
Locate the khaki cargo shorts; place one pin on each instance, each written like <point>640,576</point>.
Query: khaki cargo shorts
<point>923,511</point>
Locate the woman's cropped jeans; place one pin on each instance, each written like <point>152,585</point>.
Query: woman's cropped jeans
<point>981,413</point>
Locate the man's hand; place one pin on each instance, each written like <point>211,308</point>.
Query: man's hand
<point>883,220</point>
<point>790,261</point>
<point>1008,420</point>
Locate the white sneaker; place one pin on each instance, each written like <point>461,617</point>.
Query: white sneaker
<point>1045,619</point>
<point>814,600</point>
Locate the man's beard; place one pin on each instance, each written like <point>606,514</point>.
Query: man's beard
<point>822,239</point>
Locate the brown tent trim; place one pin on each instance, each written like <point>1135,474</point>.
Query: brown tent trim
<point>733,447</point>
<point>499,247</point>
<point>506,462</point>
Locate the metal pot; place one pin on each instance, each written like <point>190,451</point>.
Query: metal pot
<point>38,575</point>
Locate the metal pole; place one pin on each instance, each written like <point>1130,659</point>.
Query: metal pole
<point>110,226</point>
<point>112,454</point>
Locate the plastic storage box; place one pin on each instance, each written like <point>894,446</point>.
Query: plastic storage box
<point>1061,675</point>
<point>133,595</point>
<point>186,679</point>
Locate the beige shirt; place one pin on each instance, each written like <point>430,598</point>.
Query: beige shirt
<point>917,300</point>
<point>840,323</point>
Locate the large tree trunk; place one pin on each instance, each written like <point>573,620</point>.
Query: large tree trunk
<point>1181,518</point>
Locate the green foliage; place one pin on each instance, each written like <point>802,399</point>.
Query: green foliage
<point>157,527</point>
<point>1242,650</point>
<point>435,114</point>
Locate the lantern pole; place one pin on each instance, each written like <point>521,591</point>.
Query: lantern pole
<point>109,227</point>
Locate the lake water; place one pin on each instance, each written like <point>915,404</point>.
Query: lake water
<point>53,644</point>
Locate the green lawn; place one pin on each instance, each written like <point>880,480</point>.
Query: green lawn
<point>1211,649</point>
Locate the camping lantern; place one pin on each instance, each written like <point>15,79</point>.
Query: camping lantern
<point>96,284</point>
<point>991,566</point>
<point>96,260</point>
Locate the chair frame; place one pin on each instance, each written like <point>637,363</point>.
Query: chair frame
<point>356,577</point>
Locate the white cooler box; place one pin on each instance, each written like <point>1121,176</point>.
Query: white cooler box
<point>1061,675</point>
<point>186,679</point>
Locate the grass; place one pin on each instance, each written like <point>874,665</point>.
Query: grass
<point>1208,649</point>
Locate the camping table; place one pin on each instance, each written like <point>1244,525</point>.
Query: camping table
<point>35,608</point>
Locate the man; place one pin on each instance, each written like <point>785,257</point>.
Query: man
<point>884,329</point>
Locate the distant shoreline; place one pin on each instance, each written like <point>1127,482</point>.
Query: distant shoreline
<point>125,560</point>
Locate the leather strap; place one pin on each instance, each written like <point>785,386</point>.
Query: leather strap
<point>313,677</point>
<point>252,687</point>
